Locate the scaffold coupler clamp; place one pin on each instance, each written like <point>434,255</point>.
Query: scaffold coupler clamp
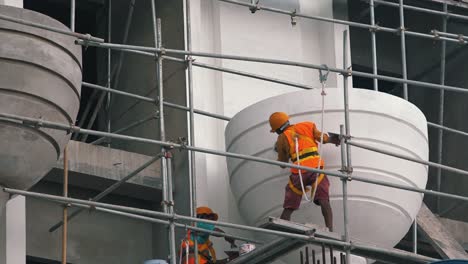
<point>73,129</point>
<point>92,207</point>
<point>169,203</point>
<point>86,41</point>
<point>182,142</point>
<point>293,18</point>
<point>33,123</point>
<point>187,60</point>
<point>461,39</point>
<point>323,77</point>
<point>254,8</point>
<point>401,30</point>
<point>374,28</point>
<point>435,33</point>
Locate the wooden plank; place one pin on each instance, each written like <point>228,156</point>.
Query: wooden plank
<point>438,235</point>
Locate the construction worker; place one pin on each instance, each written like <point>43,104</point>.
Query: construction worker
<point>302,140</point>
<point>206,252</point>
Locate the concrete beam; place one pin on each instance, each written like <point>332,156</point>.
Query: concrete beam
<point>438,235</point>
<point>96,167</point>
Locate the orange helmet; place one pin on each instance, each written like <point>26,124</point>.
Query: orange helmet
<point>206,210</point>
<point>277,120</point>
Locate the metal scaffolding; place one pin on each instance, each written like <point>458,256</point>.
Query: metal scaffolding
<point>160,54</point>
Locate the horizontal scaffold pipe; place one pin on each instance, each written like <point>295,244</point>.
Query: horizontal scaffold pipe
<point>86,37</point>
<point>152,100</point>
<point>280,62</point>
<point>175,217</point>
<point>338,21</point>
<point>406,157</point>
<point>36,123</point>
<point>241,73</point>
<point>463,133</point>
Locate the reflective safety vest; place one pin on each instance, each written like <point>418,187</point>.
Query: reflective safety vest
<point>206,252</point>
<point>308,147</point>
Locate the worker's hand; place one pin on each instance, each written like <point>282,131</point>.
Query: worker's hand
<point>334,139</point>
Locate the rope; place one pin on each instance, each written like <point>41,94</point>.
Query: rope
<point>300,173</point>
<point>323,79</point>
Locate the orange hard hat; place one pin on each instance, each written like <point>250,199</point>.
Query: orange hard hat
<point>207,211</point>
<point>278,119</point>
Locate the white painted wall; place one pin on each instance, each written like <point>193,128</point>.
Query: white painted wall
<point>229,29</point>
<point>16,3</point>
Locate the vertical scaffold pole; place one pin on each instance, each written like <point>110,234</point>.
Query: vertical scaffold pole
<point>344,168</point>
<point>403,49</point>
<point>72,15</point>
<point>441,108</point>
<point>191,126</point>
<point>373,44</point>
<point>109,65</point>
<point>346,163</point>
<point>345,94</point>
<point>65,208</point>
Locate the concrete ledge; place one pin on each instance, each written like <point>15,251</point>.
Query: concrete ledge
<point>96,168</point>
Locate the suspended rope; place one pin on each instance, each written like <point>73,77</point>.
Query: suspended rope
<point>323,80</point>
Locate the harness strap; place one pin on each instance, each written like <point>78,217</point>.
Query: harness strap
<point>298,191</point>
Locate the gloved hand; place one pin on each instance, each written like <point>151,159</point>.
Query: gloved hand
<point>334,138</point>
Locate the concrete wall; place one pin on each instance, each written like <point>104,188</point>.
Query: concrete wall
<point>94,237</point>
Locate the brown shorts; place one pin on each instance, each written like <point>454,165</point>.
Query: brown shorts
<point>292,200</point>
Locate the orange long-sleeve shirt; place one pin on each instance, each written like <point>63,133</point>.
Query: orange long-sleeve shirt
<point>282,145</point>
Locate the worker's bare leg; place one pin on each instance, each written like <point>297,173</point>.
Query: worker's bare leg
<point>327,213</point>
<point>286,214</point>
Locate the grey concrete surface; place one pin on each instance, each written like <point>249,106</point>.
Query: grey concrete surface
<point>96,168</point>
<point>94,237</point>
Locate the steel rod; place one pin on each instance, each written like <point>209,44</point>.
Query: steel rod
<point>242,73</point>
<point>282,62</point>
<point>109,189</point>
<point>84,37</point>
<point>176,217</point>
<point>459,132</point>
<point>406,157</point>
<point>65,207</point>
<point>109,65</point>
<point>191,124</point>
<point>72,15</point>
<point>373,44</point>
<point>440,134</point>
<point>346,96</point>
<point>37,123</point>
<point>344,168</point>
<point>152,100</point>
<point>123,129</point>
<point>415,236</point>
<point>403,49</point>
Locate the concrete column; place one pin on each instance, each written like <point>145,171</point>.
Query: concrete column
<point>15,3</point>
<point>12,230</point>
<point>16,230</point>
